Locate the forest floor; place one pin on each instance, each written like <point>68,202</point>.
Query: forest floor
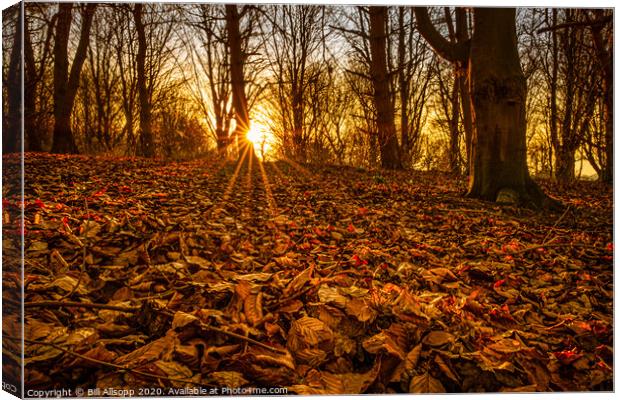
<point>316,279</point>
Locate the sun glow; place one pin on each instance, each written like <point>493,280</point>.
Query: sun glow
<point>261,138</point>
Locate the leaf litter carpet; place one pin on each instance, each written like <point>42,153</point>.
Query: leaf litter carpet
<point>321,280</point>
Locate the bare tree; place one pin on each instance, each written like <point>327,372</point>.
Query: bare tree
<point>294,47</point>
<point>146,145</point>
<point>499,155</point>
<point>11,121</point>
<point>388,143</point>
<point>414,79</point>
<point>38,32</point>
<point>239,99</point>
<point>66,82</point>
<point>101,110</point>
<point>209,55</point>
<point>602,34</point>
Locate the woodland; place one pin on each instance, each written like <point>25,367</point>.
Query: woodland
<point>307,199</point>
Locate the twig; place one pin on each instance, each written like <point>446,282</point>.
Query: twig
<point>232,334</point>
<point>163,294</point>
<point>83,266</point>
<point>594,23</point>
<point>241,337</point>
<point>105,363</point>
<point>556,224</point>
<point>290,298</point>
<point>135,308</point>
<point>540,246</point>
<point>58,304</point>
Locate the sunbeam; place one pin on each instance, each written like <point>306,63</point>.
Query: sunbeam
<point>299,168</point>
<point>231,183</point>
<point>271,203</point>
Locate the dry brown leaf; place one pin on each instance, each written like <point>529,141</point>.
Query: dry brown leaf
<point>438,338</point>
<point>231,379</point>
<point>309,332</point>
<point>182,319</point>
<point>382,341</point>
<point>299,281</point>
<point>253,308</point>
<point>425,383</point>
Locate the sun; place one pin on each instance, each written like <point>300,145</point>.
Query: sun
<point>257,134</point>
<point>261,138</point>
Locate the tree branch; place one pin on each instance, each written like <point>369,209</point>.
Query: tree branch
<point>453,52</point>
<point>105,363</point>
<point>597,22</point>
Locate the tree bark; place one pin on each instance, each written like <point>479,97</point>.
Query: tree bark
<point>66,82</point>
<point>605,58</point>
<point>388,143</point>
<point>12,136</point>
<point>449,51</point>
<point>462,37</point>
<point>31,130</point>
<point>237,80</point>
<point>553,86</point>
<point>499,159</point>
<point>455,167</point>
<point>403,87</point>
<point>145,142</point>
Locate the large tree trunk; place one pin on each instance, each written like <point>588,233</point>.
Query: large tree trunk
<point>605,58</point>
<point>65,82</point>
<point>145,141</point>
<point>499,159</point>
<point>239,100</point>
<point>388,143</point>
<point>12,136</point>
<point>498,163</point>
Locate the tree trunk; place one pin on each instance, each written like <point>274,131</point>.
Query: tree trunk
<point>468,125</point>
<point>388,143</point>
<point>462,36</point>
<point>499,159</point>
<point>31,130</point>
<point>565,164</point>
<point>65,82</point>
<point>405,139</point>
<point>553,89</point>
<point>11,139</point>
<point>239,100</point>
<point>455,151</point>
<point>605,58</point>
<point>145,141</point>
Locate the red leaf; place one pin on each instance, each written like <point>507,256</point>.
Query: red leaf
<point>100,192</point>
<point>358,261</point>
<point>499,283</point>
<point>351,228</point>
<point>567,356</point>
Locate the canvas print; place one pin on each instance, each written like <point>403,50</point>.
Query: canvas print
<point>301,199</point>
